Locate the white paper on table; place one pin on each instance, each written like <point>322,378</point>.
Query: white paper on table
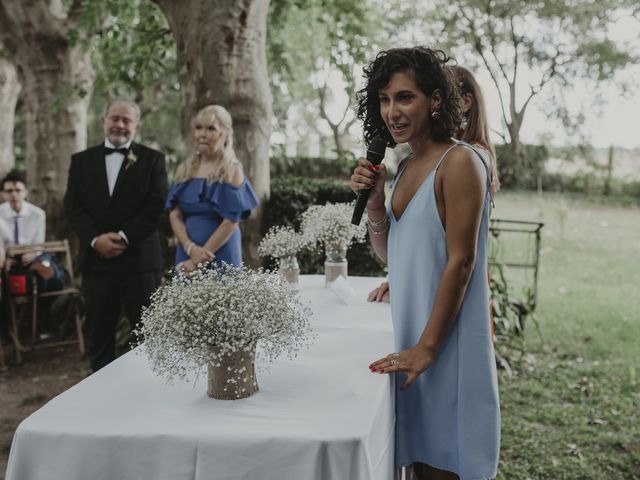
<point>343,290</point>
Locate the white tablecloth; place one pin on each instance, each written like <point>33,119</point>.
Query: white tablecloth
<point>322,416</point>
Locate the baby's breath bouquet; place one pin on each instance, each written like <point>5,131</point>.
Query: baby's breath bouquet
<point>280,242</point>
<point>283,243</point>
<point>330,225</point>
<point>216,318</point>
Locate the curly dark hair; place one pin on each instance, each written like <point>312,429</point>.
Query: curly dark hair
<point>428,68</point>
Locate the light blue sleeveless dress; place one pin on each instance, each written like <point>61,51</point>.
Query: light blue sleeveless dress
<point>450,416</point>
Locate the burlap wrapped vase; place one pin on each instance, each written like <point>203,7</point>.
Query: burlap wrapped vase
<point>233,376</point>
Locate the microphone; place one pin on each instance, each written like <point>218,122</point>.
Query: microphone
<point>375,154</point>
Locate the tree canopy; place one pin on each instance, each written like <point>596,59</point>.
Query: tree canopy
<point>555,41</point>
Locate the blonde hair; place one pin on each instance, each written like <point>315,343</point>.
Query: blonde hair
<point>477,130</point>
<point>225,163</point>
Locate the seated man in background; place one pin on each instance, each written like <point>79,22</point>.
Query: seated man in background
<point>26,223</point>
<point>23,223</point>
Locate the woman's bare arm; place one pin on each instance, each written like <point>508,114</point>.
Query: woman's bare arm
<point>366,176</point>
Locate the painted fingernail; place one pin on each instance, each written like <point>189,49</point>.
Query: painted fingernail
<point>370,167</point>
<point>377,167</point>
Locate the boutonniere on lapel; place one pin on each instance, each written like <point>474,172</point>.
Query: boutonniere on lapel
<point>131,159</point>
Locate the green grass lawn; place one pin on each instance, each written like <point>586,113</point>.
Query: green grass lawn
<point>573,411</point>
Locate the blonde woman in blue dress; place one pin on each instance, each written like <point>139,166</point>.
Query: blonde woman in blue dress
<point>433,234</point>
<point>210,195</point>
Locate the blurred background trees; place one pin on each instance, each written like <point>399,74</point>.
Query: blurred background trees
<point>526,48</point>
<point>288,70</point>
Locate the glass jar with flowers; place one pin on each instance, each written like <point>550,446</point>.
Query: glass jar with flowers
<point>283,243</point>
<point>330,225</point>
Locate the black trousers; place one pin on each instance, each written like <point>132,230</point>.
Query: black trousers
<point>106,296</point>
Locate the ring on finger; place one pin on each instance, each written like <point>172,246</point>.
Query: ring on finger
<point>394,363</point>
<point>396,355</point>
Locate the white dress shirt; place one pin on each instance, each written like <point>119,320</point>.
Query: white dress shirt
<point>113,164</point>
<point>31,224</point>
<point>5,233</point>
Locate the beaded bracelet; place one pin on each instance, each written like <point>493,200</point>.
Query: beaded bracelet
<point>379,232</point>
<point>385,219</point>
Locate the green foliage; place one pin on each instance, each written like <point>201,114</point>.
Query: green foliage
<point>311,167</point>
<point>291,196</point>
<point>130,41</point>
<point>509,317</point>
<point>136,49</point>
<point>630,189</point>
<point>529,173</point>
<point>337,32</point>
<point>134,56</point>
<point>521,171</point>
<point>311,44</point>
<point>555,41</point>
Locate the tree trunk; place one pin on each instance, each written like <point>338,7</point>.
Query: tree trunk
<point>221,49</point>
<point>523,168</point>
<point>337,140</point>
<point>514,138</point>
<point>57,79</point>
<point>9,91</point>
<point>609,176</point>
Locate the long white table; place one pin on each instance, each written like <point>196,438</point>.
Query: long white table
<point>323,416</point>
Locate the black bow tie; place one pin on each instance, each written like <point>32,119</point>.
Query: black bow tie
<point>109,151</point>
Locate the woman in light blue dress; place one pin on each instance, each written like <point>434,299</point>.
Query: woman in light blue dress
<point>210,195</point>
<point>433,234</point>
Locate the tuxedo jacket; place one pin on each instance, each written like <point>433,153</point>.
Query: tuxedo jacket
<point>135,208</point>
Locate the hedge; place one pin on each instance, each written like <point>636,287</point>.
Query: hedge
<point>291,196</point>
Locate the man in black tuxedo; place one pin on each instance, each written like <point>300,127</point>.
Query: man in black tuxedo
<point>115,197</point>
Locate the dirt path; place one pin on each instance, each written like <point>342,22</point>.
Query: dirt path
<point>25,388</point>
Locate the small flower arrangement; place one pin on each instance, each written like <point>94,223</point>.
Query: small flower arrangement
<point>207,316</point>
<point>281,242</point>
<point>330,224</point>
<point>131,159</point>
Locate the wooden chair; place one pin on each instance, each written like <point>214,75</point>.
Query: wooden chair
<point>60,249</point>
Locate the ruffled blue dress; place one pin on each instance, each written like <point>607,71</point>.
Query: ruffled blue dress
<point>205,205</point>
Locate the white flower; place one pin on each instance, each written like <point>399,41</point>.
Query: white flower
<point>281,242</point>
<point>131,159</point>
<point>331,224</point>
<point>198,318</point>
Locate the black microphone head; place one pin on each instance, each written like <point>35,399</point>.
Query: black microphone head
<point>376,150</point>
